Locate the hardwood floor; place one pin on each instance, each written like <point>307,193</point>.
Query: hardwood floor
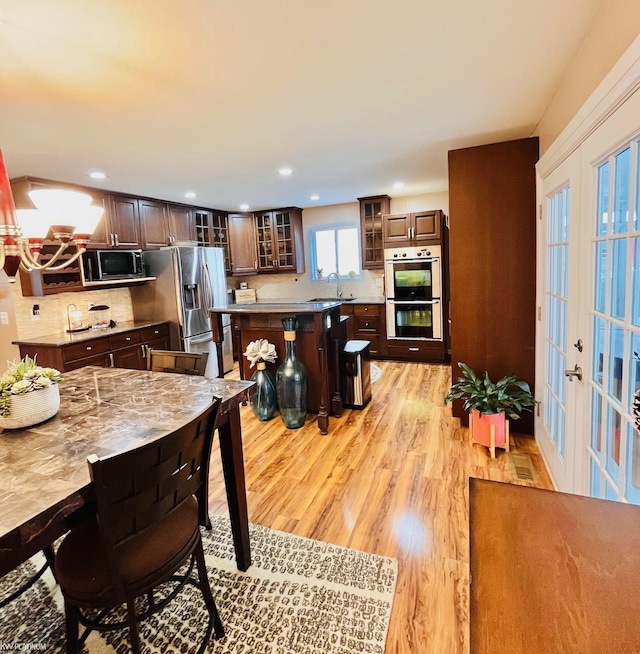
<point>391,479</point>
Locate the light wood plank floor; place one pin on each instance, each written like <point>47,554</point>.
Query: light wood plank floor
<point>391,479</point>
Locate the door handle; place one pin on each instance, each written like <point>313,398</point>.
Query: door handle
<point>576,372</point>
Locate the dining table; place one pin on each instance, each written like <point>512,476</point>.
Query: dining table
<point>552,572</point>
<point>45,487</point>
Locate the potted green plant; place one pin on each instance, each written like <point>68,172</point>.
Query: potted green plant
<point>29,394</point>
<point>490,404</point>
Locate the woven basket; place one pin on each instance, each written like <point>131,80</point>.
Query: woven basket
<point>32,408</point>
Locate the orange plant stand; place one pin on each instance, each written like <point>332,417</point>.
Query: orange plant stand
<point>490,430</point>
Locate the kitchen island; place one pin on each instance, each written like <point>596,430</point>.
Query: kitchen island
<point>319,340</point>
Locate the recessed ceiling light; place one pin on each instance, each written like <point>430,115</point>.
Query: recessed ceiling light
<point>314,197</point>
<point>190,195</point>
<point>285,172</point>
<point>97,174</point>
<point>244,207</point>
<point>398,185</point>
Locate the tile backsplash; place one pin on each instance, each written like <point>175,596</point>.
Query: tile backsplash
<point>53,309</point>
<point>301,287</point>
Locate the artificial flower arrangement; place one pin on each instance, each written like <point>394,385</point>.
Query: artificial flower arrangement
<point>22,377</point>
<point>260,351</point>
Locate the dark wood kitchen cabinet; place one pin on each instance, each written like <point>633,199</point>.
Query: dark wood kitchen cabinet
<point>49,282</point>
<point>372,209</point>
<point>279,240</point>
<point>124,349</point>
<point>410,229</point>
<point>242,244</point>
<point>180,223</point>
<point>367,322</point>
<point>212,229</point>
<point>153,224</point>
<point>120,224</point>
<point>492,262</point>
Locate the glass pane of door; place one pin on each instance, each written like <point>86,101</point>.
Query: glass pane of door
<point>614,374</point>
<point>555,384</point>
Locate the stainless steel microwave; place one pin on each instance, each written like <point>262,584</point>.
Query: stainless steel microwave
<point>111,265</point>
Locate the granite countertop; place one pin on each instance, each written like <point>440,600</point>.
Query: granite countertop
<point>283,305</point>
<point>61,338</point>
<point>280,308</point>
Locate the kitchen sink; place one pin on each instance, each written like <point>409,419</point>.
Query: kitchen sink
<point>331,299</point>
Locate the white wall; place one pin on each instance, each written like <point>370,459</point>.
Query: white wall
<point>614,27</point>
<point>9,332</point>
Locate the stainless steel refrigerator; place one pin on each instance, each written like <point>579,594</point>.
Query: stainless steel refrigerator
<point>189,280</point>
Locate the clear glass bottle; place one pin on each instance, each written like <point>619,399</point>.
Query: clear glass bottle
<point>291,381</point>
<point>263,397</point>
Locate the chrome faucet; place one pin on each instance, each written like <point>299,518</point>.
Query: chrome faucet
<point>338,289</point>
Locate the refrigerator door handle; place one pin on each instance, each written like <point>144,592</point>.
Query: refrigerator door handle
<point>196,340</point>
<point>206,284</point>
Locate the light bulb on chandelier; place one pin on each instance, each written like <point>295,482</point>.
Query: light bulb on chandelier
<point>68,215</point>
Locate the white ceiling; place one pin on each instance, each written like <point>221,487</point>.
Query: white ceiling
<point>215,96</point>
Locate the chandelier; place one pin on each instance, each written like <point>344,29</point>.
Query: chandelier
<point>67,215</point>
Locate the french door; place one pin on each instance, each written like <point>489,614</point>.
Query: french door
<point>560,343</point>
<point>588,368</point>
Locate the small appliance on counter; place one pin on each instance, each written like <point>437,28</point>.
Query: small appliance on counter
<point>100,316</point>
<point>74,320</point>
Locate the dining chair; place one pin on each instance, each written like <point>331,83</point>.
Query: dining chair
<point>146,527</point>
<point>186,363</point>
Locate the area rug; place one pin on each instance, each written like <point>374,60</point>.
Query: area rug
<point>375,372</point>
<point>299,596</point>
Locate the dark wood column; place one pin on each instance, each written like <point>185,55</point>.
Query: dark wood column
<point>492,262</point>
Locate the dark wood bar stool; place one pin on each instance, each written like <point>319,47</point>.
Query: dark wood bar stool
<point>186,363</point>
<point>150,503</point>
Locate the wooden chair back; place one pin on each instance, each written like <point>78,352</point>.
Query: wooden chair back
<point>186,363</point>
<point>137,488</point>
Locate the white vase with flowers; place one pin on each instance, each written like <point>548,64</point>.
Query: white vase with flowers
<point>29,394</point>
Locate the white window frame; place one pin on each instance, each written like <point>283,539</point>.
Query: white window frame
<point>313,252</point>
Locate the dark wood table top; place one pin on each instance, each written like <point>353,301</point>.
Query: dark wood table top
<point>102,410</point>
<point>552,572</point>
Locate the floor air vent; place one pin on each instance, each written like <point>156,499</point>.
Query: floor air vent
<point>522,466</point>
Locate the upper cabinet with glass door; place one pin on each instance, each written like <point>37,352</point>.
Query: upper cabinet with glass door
<point>279,240</point>
<point>212,229</point>
<point>371,211</point>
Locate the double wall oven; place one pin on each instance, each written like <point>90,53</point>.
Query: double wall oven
<point>413,280</point>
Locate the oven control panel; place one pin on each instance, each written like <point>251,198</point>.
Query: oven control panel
<point>424,252</point>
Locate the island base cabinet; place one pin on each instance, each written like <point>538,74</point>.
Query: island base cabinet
<point>367,323</point>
